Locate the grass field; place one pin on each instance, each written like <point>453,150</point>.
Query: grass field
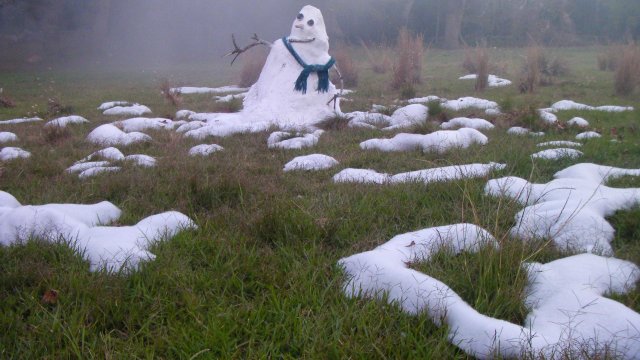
<point>259,278</point>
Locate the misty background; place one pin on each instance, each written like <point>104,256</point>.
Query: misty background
<point>138,32</point>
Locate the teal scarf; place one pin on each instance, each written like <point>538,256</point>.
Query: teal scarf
<point>322,70</point>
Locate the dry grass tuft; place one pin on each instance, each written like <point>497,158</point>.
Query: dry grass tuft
<point>56,134</point>
<point>54,108</point>
<point>627,75</point>
<point>347,67</point>
<point>252,67</point>
<point>531,78</point>
<point>407,69</point>
<point>609,60</point>
<point>379,64</point>
<point>5,101</point>
<point>172,97</point>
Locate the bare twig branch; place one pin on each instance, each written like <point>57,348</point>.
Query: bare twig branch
<point>335,97</point>
<point>237,50</point>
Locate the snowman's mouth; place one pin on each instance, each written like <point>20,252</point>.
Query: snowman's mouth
<point>296,40</point>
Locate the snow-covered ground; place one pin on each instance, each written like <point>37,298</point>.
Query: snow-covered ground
<point>439,141</point>
<point>189,90</point>
<point>311,162</point>
<point>66,120</point>
<point>20,121</point>
<point>204,149</point>
<point>556,154</point>
<point>473,123</point>
<point>110,135</point>
<point>6,136</point>
<point>101,161</point>
<point>11,153</point>
<point>287,140</point>
<point>492,80</point>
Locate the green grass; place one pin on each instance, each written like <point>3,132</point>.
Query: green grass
<point>259,279</point>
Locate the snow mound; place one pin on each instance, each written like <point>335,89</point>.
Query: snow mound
<point>578,121</point>
<point>441,174</point>
<point>6,136</point>
<point>110,153</point>
<point>111,104</point>
<point>517,130</point>
<point>204,149</point>
<point>464,122</point>
<point>184,114</point>
<point>470,102</point>
<point>565,296</point>
<point>11,153</point>
<point>439,141</point>
<point>572,105</point>
<point>192,125</point>
<point>142,124</point>
<point>284,140</point>
<point>141,160</point>
<point>407,116</point>
<point>547,116</point>
<point>88,168</point>
<point>64,121</point>
<point>8,201</point>
<point>97,170</point>
<point>556,154</point>
<point>230,97</point>
<point>190,90</point>
<point>311,162</point>
<point>559,143</point>
<point>20,121</point>
<point>223,125</point>
<point>571,209</point>
<point>82,166</point>
<point>105,247</point>
<point>588,135</point>
<point>131,110</point>
<point>424,100</point>
<point>492,80</point>
<point>108,135</point>
<point>360,119</point>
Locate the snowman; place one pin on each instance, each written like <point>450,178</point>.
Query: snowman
<point>293,90</point>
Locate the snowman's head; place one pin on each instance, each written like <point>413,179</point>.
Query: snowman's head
<point>309,24</point>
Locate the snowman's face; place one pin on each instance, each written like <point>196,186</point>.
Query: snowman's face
<point>309,24</point>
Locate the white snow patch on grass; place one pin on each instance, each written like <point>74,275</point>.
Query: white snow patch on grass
<point>469,102</point>
<point>311,162</point>
<point>572,105</point>
<point>184,114</point>
<point>571,209</point>
<point>578,121</point>
<point>230,97</point>
<point>11,153</point>
<point>465,122</point>
<point>82,166</point>
<point>142,124</point>
<point>20,121</point>
<point>588,135</point>
<point>557,154</point>
<point>190,90</point>
<point>559,143</point>
<point>141,160</point>
<point>105,247</point>
<point>132,110</point>
<point>424,100</point>
<point>97,170</point>
<point>565,296</point>
<point>439,141</point>
<point>66,120</point>
<point>286,140</point>
<point>492,80</point>
<point>547,116</point>
<point>109,135</point>
<point>204,149</point>
<point>6,136</point>
<point>111,104</point>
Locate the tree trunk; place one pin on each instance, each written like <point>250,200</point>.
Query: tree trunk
<point>453,23</point>
<point>406,12</point>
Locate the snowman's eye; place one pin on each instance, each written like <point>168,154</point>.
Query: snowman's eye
<point>310,22</point>
<point>300,17</point>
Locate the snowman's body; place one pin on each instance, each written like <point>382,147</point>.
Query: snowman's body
<point>273,100</point>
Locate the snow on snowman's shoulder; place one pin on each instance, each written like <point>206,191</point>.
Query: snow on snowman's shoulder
<point>20,121</point>
<point>132,110</point>
<point>6,136</point>
<point>365,176</point>
<point>108,135</point>
<point>141,124</point>
<point>66,120</point>
<point>556,154</point>
<point>190,90</point>
<point>464,122</point>
<point>588,135</point>
<point>439,141</point>
<point>204,149</point>
<point>11,153</point>
<point>110,248</point>
<point>311,162</point>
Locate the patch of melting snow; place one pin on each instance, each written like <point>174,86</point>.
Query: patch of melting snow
<point>588,135</point>
<point>6,136</point>
<point>557,154</point>
<point>426,99</point>
<point>559,143</point>
<point>470,102</point>
<point>189,90</point>
<point>184,114</point>
<point>108,135</point>
<point>131,110</point>
<point>547,116</point>
<point>105,247</point>
<point>286,140</point>
<point>439,141</point>
<point>66,120</point>
<point>441,174</point>
<point>88,168</point>
<point>205,149</point>
<point>20,121</point>
<point>311,163</point>
<point>97,170</point>
<point>492,80</point>
<point>565,297</point>
<point>563,105</point>
<point>12,153</point>
<point>578,121</point>
<point>571,209</point>
<point>517,130</point>
<point>465,122</point>
<point>230,97</point>
<point>142,124</point>
<point>112,104</point>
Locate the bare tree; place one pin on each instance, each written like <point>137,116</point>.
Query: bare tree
<point>453,23</point>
